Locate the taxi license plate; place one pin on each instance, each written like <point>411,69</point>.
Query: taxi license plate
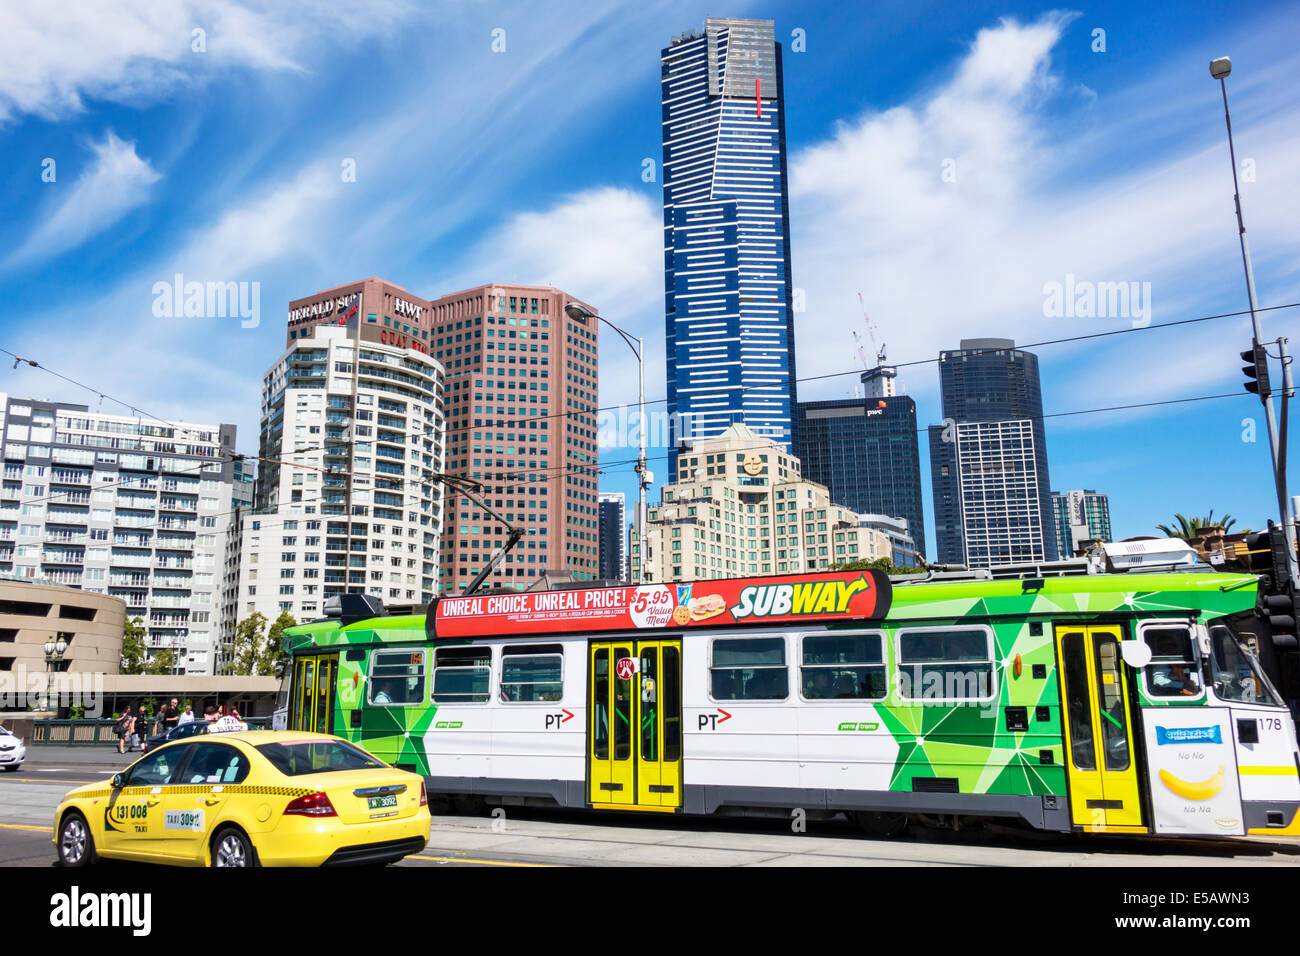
<point>378,803</point>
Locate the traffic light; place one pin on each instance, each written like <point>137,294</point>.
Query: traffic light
<point>1257,371</point>
<point>1280,609</point>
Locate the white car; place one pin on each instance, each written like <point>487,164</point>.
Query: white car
<point>12,751</point>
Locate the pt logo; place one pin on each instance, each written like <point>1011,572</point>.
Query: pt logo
<point>711,721</point>
<point>553,721</point>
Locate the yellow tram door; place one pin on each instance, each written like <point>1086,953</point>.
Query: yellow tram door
<point>1097,717</point>
<point>311,702</point>
<point>635,725</point>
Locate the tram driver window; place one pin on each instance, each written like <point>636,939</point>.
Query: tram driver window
<point>532,673</point>
<point>1237,674</point>
<point>942,664</point>
<point>843,666</point>
<point>749,668</point>
<point>397,677</point>
<point>1174,671</point>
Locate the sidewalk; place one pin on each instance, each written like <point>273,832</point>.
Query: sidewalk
<point>62,755</point>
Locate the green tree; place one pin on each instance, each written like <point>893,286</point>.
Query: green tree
<point>134,656</point>
<point>162,663</point>
<point>876,564</point>
<point>1188,528</point>
<point>246,648</point>
<point>272,651</point>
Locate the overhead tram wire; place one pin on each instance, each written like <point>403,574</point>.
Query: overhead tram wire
<point>916,362</point>
<point>661,401</point>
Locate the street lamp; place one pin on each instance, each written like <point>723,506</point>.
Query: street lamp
<point>1219,69</point>
<point>54,651</point>
<point>578,311</point>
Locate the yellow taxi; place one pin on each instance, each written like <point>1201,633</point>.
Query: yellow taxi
<point>251,798</point>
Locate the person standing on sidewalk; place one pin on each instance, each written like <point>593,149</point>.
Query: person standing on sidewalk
<point>170,715</point>
<point>139,728</point>
<point>123,728</point>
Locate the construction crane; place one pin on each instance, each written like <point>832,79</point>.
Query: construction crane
<point>875,339</point>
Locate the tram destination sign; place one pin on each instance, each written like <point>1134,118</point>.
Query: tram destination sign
<point>830,596</point>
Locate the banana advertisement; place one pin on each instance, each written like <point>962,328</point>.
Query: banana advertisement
<point>1193,770</point>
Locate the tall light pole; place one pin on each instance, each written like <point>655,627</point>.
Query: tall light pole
<point>1219,69</point>
<point>54,651</point>
<point>576,310</point>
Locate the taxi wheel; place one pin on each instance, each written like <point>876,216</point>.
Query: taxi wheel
<point>76,845</point>
<point>230,847</point>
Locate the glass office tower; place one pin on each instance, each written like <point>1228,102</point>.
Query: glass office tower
<point>988,460</point>
<point>728,293</point>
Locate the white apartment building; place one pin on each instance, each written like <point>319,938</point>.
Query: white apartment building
<point>350,433</point>
<point>745,510</point>
<point>121,505</point>
<point>997,480</point>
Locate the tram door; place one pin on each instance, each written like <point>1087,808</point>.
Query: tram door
<point>1097,717</point>
<point>311,702</point>
<point>634,736</point>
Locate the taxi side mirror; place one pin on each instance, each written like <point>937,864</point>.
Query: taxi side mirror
<point>117,781</point>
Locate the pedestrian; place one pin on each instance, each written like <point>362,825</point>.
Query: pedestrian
<point>123,728</point>
<point>187,715</point>
<point>170,715</point>
<point>139,727</point>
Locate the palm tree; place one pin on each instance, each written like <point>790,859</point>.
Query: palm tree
<point>1195,527</point>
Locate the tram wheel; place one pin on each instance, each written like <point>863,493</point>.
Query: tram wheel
<point>880,825</point>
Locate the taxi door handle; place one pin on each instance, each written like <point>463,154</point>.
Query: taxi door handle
<point>153,802</point>
<point>212,801</point>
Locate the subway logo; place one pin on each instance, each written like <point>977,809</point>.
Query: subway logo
<point>830,597</point>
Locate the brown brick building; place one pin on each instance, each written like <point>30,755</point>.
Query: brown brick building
<point>521,418</point>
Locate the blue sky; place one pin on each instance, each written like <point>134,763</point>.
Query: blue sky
<point>526,164</point>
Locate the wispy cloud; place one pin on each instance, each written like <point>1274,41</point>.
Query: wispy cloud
<point>54,55</point>
<point>116,181</point>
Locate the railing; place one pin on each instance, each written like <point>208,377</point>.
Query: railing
<point>91,733</point>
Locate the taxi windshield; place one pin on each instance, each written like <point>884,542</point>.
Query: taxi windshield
<point>297,757</point>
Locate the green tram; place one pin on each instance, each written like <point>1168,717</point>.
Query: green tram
<point>1117,703</point>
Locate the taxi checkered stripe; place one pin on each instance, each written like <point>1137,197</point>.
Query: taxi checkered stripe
<point>226,788</point>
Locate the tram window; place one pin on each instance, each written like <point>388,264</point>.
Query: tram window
<point>397,677</point>
<point>531,673</point>
<point>461,675</point>
<point>843,666</point>
<point>749,668</point>
<point>1237,674</point>
<point>941,664</point>
<point>1174,670</point>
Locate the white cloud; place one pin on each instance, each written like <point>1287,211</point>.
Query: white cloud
<point>939,260</point>
<point>54,54</point>
<point>116,181</point>
<point>604,246</point>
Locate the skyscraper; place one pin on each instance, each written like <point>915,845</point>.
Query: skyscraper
<point>988,460</point>
<point>728,299</point>
<point>613,536</point>
<point>1080,515</point>
<point>865,451</point>
<point>521,418</point>
<point>350,431</point>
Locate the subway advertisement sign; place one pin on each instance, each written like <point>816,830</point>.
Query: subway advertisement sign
<point>828,596</point>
